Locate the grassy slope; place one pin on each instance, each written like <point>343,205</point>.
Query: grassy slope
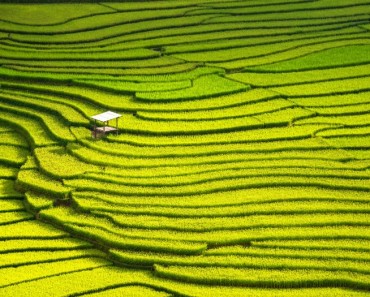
<point>242,167</point>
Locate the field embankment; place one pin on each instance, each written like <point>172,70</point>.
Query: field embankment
<point>242,166</point>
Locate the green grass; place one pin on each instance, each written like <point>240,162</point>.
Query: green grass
<point>342,110</point>
<point>242,163</point>
<point>291,52</point>
<point>7,190</point>
<point>96,30</point>
<point>156,151</point>
<point>262,277</point>
<point>91,69</point>
<point>287,6</point>
<point>111,19</point>
<point>94,101</point>
<point>132,290</point>
<point>13,155</point>
<point>217,114</point>
<point>12,217</point>
<point>26,90</point>
<point>273,79</point>
<point>35,131</point>
<point>245,261</point>
<point>345,132</point>
<point>71,115</point>
<point>11,205</point>
<point>288,22</point>
<point>47,269</point>
<point>238,23</point>
<point>354,245</point>
<point>185,127</point>
<point>180,164</point>
<point>30,230</point>
<point>207,176</point>
<point>33,180</point>
<point>248,136</point>
<point>345,100</point>
<point>7,172</point>
<point>110,234</point>
<point>320,9</point>
<point>216,86</point>
<point>341,86</point>
<point>103,278</point>
<point>45,244</point>
<point>222,202</point>
<point>294,253</point>
<point>353,142</point>
<point>50,158</point>
<point>338,121</point>
<point>50,124</point>
<point>26,258</point>
<point>46,14</point>
<point>88,55</point>
<point>182,243</point>
<point>35,202</point>
<point>274,51</point>
<point>103,202</point>
<point>12,138</point>
<point>152,71</point>
<point>329,58</point>
<point>233,223</point>
<point>127,86</point>
<point>184,40</point>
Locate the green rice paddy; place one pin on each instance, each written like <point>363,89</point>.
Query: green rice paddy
<point>242,164</point>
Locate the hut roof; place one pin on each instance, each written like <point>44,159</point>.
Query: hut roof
<point>106,116</point>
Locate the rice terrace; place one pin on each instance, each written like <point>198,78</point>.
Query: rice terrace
<point>185,148</point>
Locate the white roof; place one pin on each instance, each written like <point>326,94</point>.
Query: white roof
<point>106,116</point>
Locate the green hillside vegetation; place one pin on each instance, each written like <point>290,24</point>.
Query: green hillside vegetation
<point>242,162</point>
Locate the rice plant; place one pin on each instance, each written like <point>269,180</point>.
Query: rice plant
<point>242,162</point>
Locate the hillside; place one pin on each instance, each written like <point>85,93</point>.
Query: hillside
<point>242,164</point>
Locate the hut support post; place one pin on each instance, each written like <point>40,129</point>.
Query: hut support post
<point>95,129</point>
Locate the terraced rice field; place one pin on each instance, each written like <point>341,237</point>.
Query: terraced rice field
<point>242,166</point>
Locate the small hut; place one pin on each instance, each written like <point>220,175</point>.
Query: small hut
<point>104,118</point>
